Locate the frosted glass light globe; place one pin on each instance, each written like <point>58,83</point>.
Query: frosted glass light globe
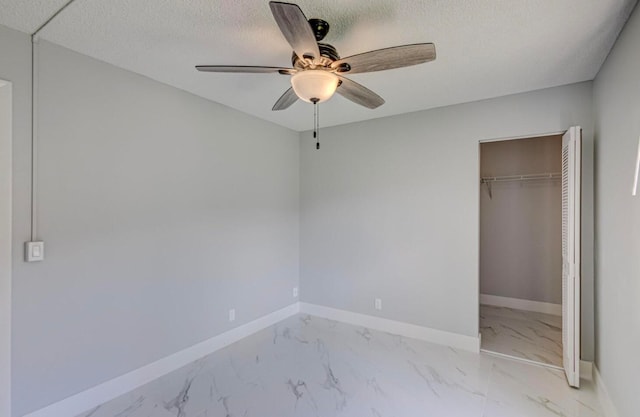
<point>314,85</point>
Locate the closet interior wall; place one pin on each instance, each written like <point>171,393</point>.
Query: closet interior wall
<point>520,220</point>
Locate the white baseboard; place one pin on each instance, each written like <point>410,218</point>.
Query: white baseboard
<point>118,386</point>
<point>608,407</point>
<point>111,389</point>
<point>586,370</point>
<point>519,304</point>
<point>441,337</point>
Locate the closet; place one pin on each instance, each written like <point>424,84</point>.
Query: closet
<point>521,248</point>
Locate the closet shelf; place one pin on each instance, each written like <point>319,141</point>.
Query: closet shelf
<point>528,177</point>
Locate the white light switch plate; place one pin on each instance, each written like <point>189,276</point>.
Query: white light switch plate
<point>637,174</point>
<point>34,251</point>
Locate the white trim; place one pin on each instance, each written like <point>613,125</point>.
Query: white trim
<point>111,389</point>
<point>518,359</point>
<point>608,407</point>
<point>586,370</point>
<point>533,136</point>
<point>441,337</point>
<point>520,304</point>
<point>5,248</point>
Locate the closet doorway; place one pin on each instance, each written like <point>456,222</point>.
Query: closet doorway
<point>521,248</point>
<point>528,300</point>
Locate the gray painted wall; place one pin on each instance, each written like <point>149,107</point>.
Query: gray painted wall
<point>521,223</point>
<point>15,67</point>
<point>390,207</point>
<point>160,211</point>
<point>617,102</point>
<point>5,248</point>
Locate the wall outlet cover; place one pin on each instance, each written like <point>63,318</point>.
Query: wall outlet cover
<point>232,314</point>
<point>378,304</point>
<point>295,292</point>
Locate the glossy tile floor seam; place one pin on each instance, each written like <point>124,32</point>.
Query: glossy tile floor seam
<point>524,334</point>
<point>306,366</point>
<point>486,395</point>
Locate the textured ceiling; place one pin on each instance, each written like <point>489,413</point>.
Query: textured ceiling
<point>27,16</point>
<point>486,48</point>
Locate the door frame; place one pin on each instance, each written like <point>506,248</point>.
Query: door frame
<point>5,245</point>
<point>478,176</point>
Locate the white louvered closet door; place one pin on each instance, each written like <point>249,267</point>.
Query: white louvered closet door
<point>571,173</point>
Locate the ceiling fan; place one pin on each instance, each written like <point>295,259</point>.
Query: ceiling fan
<point>318,71</point>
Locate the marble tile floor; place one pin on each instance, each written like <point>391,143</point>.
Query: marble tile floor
<point>522,334</point>
<point>308,366</point>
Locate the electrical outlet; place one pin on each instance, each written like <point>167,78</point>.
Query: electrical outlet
<point>232,314</point>
<point>295,292</point>
<point>378,304</point>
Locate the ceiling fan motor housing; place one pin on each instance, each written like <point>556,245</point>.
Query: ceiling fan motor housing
<point>328,54</point>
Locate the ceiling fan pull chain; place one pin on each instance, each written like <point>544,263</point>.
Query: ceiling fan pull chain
<point>317,126</point>
<point>316,122</point>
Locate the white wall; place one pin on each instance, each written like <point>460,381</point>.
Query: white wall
<point>5,248</point>
<point>390,207</point>
<point>160,211</point>
<point>617,102</point>
<point>521,223</point>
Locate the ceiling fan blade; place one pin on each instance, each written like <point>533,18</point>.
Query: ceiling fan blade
<point>359,94</point>
<point>286,100</point>
<point>387,58</point>
<point>296,29</point>
<point>245,69</point>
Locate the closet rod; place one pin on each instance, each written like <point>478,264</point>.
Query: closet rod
<point>528,177</point>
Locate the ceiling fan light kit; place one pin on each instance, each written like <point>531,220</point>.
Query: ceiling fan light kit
<point>318,71</point>
<point>314,86</point>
